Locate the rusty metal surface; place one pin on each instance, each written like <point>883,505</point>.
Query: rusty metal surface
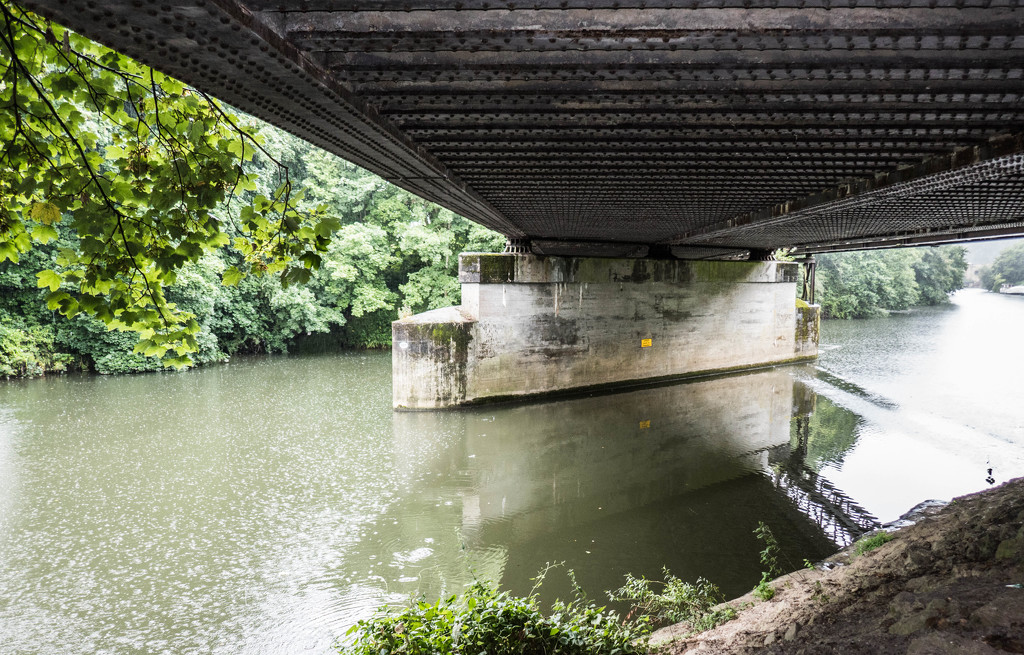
<point>696,128</point>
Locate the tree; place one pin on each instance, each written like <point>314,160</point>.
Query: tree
<point>1008,267</point>
<point>139,206</point>
<point>870,283</point>
<point>143,175</point>
<point>863,284</point>
<point>939,272</point>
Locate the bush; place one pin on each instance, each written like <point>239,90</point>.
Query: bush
<point>110,351</point>
<point>1008,268</point>
<point>769,559</point>
<point>764,590</point>
<point>371,330</point>
<point>863,284</point>
<point>485,620</point>
<point>30,351</point>
<point>678,601</point>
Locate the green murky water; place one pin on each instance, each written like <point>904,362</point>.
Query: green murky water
<point>266,505</point>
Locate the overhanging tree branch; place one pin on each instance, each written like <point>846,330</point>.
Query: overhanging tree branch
<point>143,211</point>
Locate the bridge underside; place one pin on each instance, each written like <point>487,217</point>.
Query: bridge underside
<point>698,128</point>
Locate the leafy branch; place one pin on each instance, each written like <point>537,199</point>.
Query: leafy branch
<point>136,168</point>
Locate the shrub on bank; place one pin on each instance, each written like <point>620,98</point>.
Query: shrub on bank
<point>30,351</point>
<point>868,544</point>
<point>695,604</point>
<point>486,620</point>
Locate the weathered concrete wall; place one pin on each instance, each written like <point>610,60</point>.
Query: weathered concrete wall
<point>430,358</point>
<point>538,325</point>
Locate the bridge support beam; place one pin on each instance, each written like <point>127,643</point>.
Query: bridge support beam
<point>534,326</point>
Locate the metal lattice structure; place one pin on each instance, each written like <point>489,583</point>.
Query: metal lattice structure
<point>702,128</point>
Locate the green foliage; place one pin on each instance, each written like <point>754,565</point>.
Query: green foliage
<point>868,544</point>
<point>368,331</point>
<point>484,620</point>
<point>1008,268</point>
<point>140,171</point>
<point>431,288</point>
<point>764,590</point>
<point>135,207</point>
<point>110,351</point>
<point>677,601</point>
<point>769,560</point>
<point>864,284</point>
<point>31,351</point>
<point>939,272</point>
<point>770,554</point>
<point>832,433</point>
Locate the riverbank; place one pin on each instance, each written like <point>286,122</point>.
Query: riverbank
<point>950,583</point>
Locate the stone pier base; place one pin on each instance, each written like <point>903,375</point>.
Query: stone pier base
<point>534,326</point>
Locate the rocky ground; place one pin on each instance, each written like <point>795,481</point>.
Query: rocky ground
<point>950,583</point>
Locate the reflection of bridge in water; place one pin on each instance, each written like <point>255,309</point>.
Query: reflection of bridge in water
<point>840,518</point>
<point>675,476</point>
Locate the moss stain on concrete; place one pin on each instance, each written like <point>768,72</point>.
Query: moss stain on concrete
<point>495,269</point>
<point>450,349</point>
<point>730,272</point>
<point>807,323</point>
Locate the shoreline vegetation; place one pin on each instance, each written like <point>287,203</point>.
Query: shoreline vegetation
<point>392,253</point>
<point>868,284</point>
<point>1006,269</point>
<point>265,243</point>
<point>145,225</point>
<point>395,254</point>
<point>947,578</point>
<point>484,619</point>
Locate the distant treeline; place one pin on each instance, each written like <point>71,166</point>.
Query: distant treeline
<point>872,283</point>
<point>1008,268</point>
<point>393,253</point>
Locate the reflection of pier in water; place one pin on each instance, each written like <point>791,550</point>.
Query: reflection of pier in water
<point>676,475</point>
<point>554,464</point>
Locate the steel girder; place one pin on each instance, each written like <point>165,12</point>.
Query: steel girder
<point>701,128</point>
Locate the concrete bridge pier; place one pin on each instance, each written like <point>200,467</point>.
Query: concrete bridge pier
<point>532,326</point>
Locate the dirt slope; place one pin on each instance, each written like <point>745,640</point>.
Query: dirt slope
<point>951,583</point>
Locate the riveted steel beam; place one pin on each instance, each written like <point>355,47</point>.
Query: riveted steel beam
<point>521,5</point>
<point>220,48</point>
<point>922,22</point>
<point>713,126</point>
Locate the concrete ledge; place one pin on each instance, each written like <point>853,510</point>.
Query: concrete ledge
<point>534,326</point>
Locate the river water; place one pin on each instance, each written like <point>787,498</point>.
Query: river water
<point>266,505</point>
